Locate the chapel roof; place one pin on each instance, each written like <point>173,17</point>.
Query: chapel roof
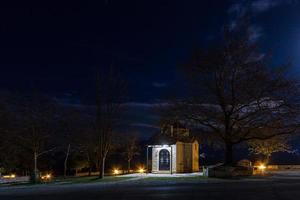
<point>163,139</point>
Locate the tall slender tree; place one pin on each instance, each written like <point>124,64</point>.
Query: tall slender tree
<point>70,128</point>
<point>130,149</point>
<point>110,92</point>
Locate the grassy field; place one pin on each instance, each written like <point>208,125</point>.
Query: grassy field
<point>108,179</point>
<point>72,180</point>
<point>91,179</point>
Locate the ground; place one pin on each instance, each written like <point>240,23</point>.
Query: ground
<point>277,186</point>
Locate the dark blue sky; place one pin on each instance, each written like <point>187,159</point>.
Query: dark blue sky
<point>56,47</point>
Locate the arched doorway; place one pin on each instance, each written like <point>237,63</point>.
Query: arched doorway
<point>164,160</point>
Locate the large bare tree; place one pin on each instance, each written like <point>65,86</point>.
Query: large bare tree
<point>36,114</point>
<point>235,93</point>
<point>6,129</point>
<point>110,92</point>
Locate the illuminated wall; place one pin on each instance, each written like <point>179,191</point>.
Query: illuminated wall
<point>185,157</point>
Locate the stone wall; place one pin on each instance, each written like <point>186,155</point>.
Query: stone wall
<point>283,167</point>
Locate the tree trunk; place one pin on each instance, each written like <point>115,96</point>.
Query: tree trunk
<point>90,170</point>
<point>128,165</point>
<point>90,164</point>
<point>267,159</point>
<point>102,167</point>
<point>35,162</point>
<point>229,154</point>
<point>35,170</point>
<point>66,161</point>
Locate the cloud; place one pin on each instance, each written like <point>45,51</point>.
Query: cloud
<point>141,117</point>
<point>159,84</point>
<point>255,57</point>
<point>132,104</point>
<point>144,125</point>
<point>238,9</point>
<point>254,7</point>
<point>255,33</point>
<point>264,5</point>
<point>241,7</point>
<point>260,6</point>
<point>145,105</point>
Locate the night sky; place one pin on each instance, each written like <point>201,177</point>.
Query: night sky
<point>57,47</point>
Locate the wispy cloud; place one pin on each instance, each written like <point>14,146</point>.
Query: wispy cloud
<point>264,5</point>
<point>145,105</point>
<point>255,7</point>
<point>126,104</point>
<point>255,57</point>
<point>144,125</point>
<point>159,84</point>
<point>255,33</point>
<point>238,9</point>
<point>259,6</point>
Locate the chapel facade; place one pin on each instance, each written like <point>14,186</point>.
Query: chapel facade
<point>174,151</point>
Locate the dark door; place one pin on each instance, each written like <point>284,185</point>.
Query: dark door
<point>164,160</point>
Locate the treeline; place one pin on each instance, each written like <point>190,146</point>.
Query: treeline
<point>40,133</point>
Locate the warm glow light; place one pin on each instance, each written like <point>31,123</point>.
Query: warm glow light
<point>12,176</point>
<point>116,171</point>
<point>141,170</point>
<point>262,167</point>
<point>46,177</point>
<point>9,176</point>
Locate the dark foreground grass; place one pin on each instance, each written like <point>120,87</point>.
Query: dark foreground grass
<point>17,184</point>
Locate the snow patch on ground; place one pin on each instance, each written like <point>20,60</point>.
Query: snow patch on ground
<point>144,175</point>
<point>19,179</point>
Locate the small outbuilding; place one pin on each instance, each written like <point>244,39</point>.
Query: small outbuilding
<point>174,151</point>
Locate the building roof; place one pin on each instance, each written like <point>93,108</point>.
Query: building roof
<point>163,139</point>
<point>178,125</point>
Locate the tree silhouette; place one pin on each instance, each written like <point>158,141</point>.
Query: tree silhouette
<point>235,94</point>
